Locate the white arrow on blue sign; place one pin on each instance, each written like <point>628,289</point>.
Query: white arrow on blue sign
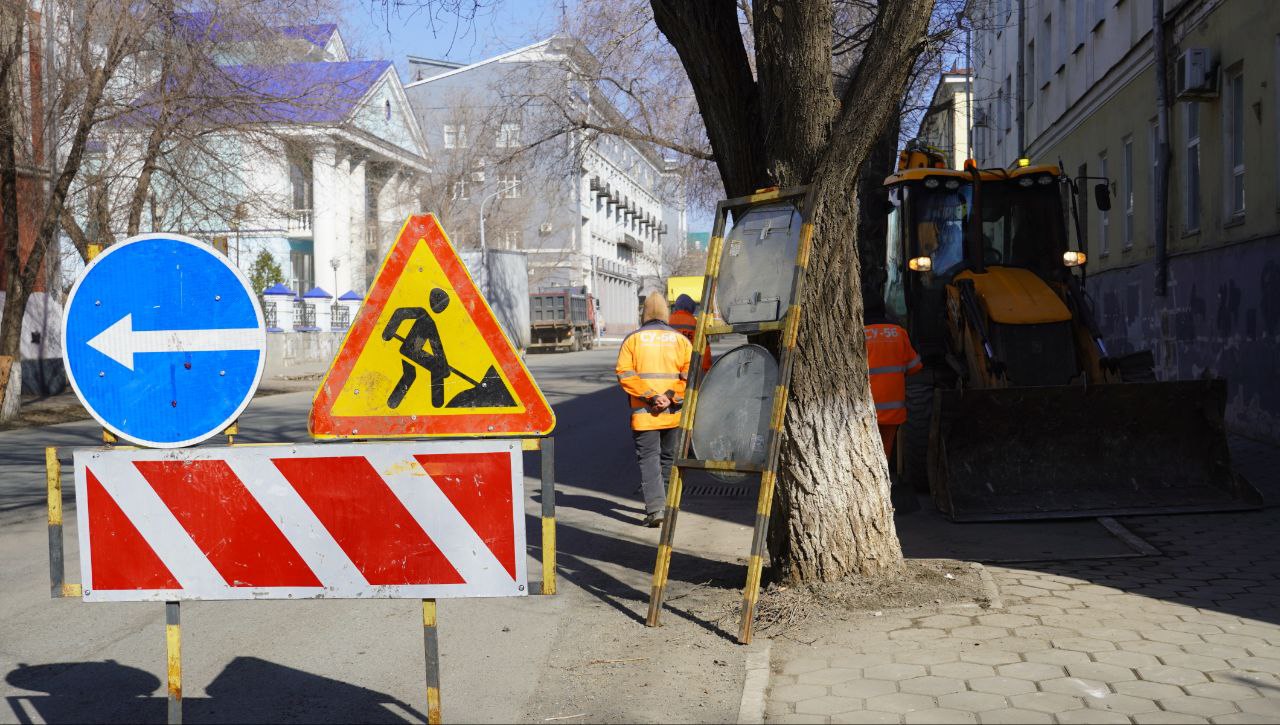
<point>164,341</point>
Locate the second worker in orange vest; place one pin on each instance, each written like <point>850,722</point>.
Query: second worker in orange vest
<point>653,367</point>
<point>890,358</point>
<point>685,322</point>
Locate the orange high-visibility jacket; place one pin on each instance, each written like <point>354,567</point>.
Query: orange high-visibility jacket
<point>890,358</point>
<point>686,324</point>
<point>654,360</point>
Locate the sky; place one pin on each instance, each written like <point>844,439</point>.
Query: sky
<point>374,31</point>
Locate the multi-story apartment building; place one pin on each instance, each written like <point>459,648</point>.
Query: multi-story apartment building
<point>590,210</point>
<point>945,125</point>
<point>1076,81</point>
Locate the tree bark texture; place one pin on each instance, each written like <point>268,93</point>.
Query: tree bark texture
<point>786,127</point>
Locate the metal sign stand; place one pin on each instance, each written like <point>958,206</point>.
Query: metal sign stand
<point>173,610</point>
<point>789,325</point>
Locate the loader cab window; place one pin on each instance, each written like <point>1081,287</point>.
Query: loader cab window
<point>1024,226</point>
<point>895,297</point>
<point>938,220</point>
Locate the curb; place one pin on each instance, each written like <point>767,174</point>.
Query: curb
<point>751,708</point>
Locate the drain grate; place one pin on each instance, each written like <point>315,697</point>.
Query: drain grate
<point>726,491</point>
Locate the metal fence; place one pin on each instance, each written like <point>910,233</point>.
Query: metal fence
<point>269,312</point>
<point>304,315</point>
<point>341,317</point>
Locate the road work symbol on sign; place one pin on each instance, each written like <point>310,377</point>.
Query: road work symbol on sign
<point>426,356</point>
<point>411,519</point>
<point>164,340</point>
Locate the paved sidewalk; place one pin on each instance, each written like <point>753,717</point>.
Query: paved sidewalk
<point>1191,635</point>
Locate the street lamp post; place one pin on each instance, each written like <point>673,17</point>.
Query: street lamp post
<point>334,262</point>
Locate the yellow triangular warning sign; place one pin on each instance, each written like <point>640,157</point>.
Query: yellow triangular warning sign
<point>425,355</point>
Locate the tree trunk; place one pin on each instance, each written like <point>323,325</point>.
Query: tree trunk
<point>834,518</point>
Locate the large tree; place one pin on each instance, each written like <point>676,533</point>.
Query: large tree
<point>792,112</point>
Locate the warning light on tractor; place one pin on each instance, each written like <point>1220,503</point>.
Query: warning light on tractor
<point>1074,259</point>
<point>921,264</point>
<point>1024,163</point>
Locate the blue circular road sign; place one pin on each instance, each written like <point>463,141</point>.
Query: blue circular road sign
<point>163,340</point>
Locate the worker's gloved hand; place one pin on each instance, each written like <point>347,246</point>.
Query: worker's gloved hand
<point>659,403</point>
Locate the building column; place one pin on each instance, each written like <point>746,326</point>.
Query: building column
<point>329,230</point>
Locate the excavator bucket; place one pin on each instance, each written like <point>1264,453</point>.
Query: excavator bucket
<point>1083,451</point>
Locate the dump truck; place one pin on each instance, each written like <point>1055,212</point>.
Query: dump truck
<point>691,286</point>
<point>563,318</point>
<point>1032,417</point>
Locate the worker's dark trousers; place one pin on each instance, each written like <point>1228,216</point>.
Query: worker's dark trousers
<point>655,450</point>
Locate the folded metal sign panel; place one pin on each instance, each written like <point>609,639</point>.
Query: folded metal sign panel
<point>422,519</point>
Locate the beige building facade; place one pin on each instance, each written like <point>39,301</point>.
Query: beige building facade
<point>945,125</point>
<point>1074,81</point>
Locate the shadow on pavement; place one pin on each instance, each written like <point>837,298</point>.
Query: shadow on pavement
<point>247,690</point>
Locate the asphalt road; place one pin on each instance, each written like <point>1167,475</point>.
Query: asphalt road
<point>582,655</point>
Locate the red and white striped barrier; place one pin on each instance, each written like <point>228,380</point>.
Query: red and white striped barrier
<point>419,520</point>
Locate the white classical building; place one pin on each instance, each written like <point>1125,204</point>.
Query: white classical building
<point>945,125</point>
<point>591,211</point>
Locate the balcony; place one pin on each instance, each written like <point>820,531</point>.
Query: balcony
<point>298,224</point>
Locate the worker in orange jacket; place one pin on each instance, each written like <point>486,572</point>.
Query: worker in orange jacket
<point>684,322</point>
<point>653,369</point>
<point>890,359</point>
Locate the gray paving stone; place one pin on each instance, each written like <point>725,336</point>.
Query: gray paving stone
<point>1031,671</point>
<point>1127,659</point>
<point>972,701</point>
<point>1092,716</point>
<point>1222,691</point>
<point>864,688</point>
<point>1123,704</point>
<point>1235,640</point>
<point>1158,649</point>
<point>927,657</point>
<point>865,717</point>
<point>1041,631</point>
<point>1162,717</point>
<point>944,621</point>
<point>1267,707</point>
<point>962,670</point>
<point>1075,686</point>
<point>1194,627</point>
<point>1100,671</point>
<point>1033,610</point>
<point>1221,651</point>
<point>931,685</point>
<point>921,633</point>
<point>939,716</point>
<point>1050,702</point>
<point>1240,718</point>
<point>989,657</point>
<point>1002,685</point>
<point>1013,716</point>
<point>828,676</point>
<point>1202,706</point>
<point>796,693</point>
<point>1257,664</point>
<point>800,665</point>
<point>1084,644</point>
<point>1171,675</point>
<point>1195,662</point>
<point>1149,690</point>
<point>1165,635</point>
<point>828,705</point>
<point>1260,680</point>
<point>799,719</point>
<point>1056,657</point>
<point>859,661</point>
<point>1016,644</point>
<point>893,672</point>
<point>1007,621</point>
<point>1111,634</point>
<point>900,702</point>
<point>979,632</point>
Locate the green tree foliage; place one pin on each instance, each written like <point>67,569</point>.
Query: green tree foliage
<point>264,271</point>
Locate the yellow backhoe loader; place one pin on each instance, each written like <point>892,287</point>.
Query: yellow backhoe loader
<point>1031,416</point>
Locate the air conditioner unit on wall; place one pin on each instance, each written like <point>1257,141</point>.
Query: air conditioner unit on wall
<point>1195,76</point>
<point>980,118</point>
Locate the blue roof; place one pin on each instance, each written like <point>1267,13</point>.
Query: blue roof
<point>313,92</point>
<point>316,293</point>
<point>317,34</point>
<point>350,295</point>
<point>209,26</point>
<point>278,288</point>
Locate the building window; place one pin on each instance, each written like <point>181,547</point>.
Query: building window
<point>1191,179</point>
<point>460,189</point>
<point>508,136</point>
<point>386,109</point>
<point>1153,145</point>
<point>509,185</point>
<point>302,187</point>
<point>455,136</point>
<point>1127,191</point>
<point>511,238</point>
<point>1045,44</point>
<point>1099,8</point>
<point>1029,92</point>
<point>1233,145</point>
<point>1006,99</point>
<point>1104,217</point>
